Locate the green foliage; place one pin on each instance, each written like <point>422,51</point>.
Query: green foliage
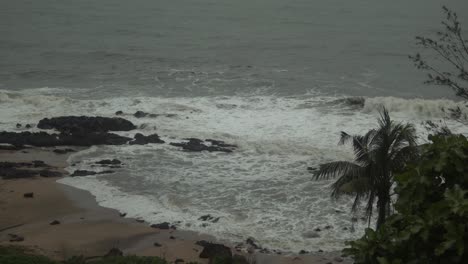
<point>20,255</point>
<point>431,225</point>
<point>378,155</point>
<point>117,260</point>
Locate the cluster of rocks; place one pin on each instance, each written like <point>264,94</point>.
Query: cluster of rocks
<point>196,145</point>
<point>219,252</point>
<point>90,131</point>
<point>16,170</point>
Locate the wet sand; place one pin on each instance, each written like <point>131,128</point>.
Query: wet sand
<point>91,230</point>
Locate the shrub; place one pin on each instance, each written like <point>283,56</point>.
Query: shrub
<point>431,225</point>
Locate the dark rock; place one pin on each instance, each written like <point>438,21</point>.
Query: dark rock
<point>250,241</point>
<point>28,126</point>
<point>177,261</point>
<point>317,229</point>
<point>63,151</point>
<point>156,244</point>
<point>140,114</point>
<point>320,251</point>
<point>338,259</point>
<point>42,139</point>
<point>119,113</point>
<point>172,237</point>
<point>86,124</point>
<point>328,227</point>
<point>239,259</point>
<point>123,214</point>
<point>79,173</point>
<point>164,225</point>
<point>15,173</point>
<point>109,162</point>
<point>202,243</point>
<point>55,222</point>
<point>18,125</point>
<point>212,251</point>
<point>16,238</point>
<point>302,252</point>
<point>114,252</point>
<point>209,218</point>
<point>345,228</point>
<point>198,145</point>
<point>28,195</point>
<point>10,147</point>
<point>141,139</point>
<point>50,174</point>
<point>38,163</point>
<point>220,143</point>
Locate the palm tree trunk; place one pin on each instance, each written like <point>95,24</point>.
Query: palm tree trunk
<point>382,212</point>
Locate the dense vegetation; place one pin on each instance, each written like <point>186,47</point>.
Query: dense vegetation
<point>431,225</point>
<point>22,255</point>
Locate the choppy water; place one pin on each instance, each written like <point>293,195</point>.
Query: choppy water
<point>270,76</point>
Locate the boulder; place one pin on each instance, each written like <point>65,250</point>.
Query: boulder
<point>42,139</point>
<point>15,238</point>
<point>140,114</point>
<point>63,151</point>
<point>212,251</point>
<point>55,222</point>
<point>141,139</point>
<point>164,225</point>
<point>119,113</point>
<point>50,174</point>
<point>79,173</point>
<point>86,124</point>
<point>28,195</point>
<point>197,145</point>
<point>109,162</point>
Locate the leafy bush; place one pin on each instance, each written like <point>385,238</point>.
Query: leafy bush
<point>431,225</point>
<point>20,255</point>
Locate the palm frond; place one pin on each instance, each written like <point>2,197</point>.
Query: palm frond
<point>335,168</point>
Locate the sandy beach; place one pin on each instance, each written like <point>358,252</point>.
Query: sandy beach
<point>87,229</point>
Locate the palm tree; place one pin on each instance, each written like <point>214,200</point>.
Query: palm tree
<point>378,155</point>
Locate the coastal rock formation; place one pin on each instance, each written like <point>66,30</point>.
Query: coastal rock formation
<point>212,251</point>
<point>86,124</point>
<point>109,162</point>
<point>63,151</point>
<point>43,139</point>
<point>16,170</point>
<point>79,173</point>
<point>197,145</point>
<point>140,139</point>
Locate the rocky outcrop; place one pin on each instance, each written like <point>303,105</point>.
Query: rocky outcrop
<point>80,173</point>
<point>140,139</point>
<point>86,124</point>
<point>17,170</point>
<point>213,251</point>
<point>109,162</point>
<point>164,226</point>
<point>197,145</point>
<point>43,139</point>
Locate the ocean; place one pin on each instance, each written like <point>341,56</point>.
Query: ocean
<point>280,79</point>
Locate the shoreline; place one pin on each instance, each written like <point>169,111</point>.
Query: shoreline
<point>88,229</point>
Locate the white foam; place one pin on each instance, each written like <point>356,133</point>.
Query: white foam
<point>262,189</point>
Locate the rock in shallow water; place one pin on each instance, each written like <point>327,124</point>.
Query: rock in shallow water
<point>141,139</point>
<point>197,145</point>
<point>86,124</point>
